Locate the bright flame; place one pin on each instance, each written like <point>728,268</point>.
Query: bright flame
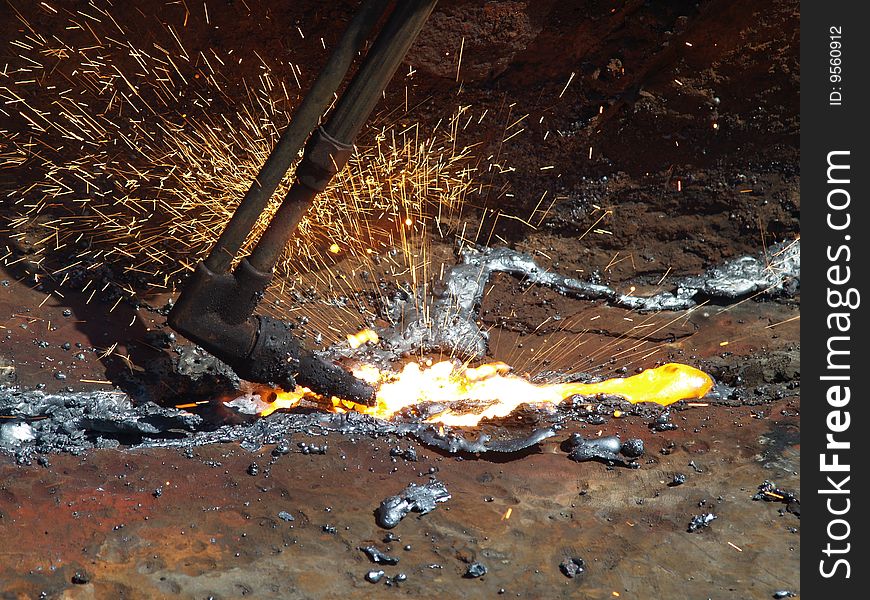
<point>288,400</point>
<point>358,339</point>
<point>490,391</point>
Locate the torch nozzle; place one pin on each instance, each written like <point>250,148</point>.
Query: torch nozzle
<point>279,358</point>
<point>215,312</point>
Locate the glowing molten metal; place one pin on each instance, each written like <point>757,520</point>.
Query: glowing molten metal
<point>355,340</point>
<point>470,394</point>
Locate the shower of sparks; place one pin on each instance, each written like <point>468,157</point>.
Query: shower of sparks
<point>135,158</point>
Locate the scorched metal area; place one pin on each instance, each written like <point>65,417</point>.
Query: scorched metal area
<point>534,333</point>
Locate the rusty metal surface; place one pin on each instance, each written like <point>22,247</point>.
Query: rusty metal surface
<point>212,529</point>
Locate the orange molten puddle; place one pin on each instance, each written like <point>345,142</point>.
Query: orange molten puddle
<point>491,391</point>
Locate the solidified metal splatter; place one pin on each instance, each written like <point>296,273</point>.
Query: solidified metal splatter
<point>13,434</point>
<point>572,566</point>
<point>679,479</point>
<point>456,443</point>
<point>663,422</point>
<point>450,324</point>
<point>699,521</point>
<point>417,498</point>
<point>475,570</point>
<point>74,422</point>
<point>605,449</point>
<point>249,404</point>
<point>374,576</point>
<point>769,492</point>
<point>377,556</point>
<point>632,448</point>
<point>410,454</point>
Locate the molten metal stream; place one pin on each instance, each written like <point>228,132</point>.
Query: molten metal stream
<point>490,391</point>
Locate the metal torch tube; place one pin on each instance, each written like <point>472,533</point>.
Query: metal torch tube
<point>305,119</point>
<point>392,44</point>
<point>348,117</point>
